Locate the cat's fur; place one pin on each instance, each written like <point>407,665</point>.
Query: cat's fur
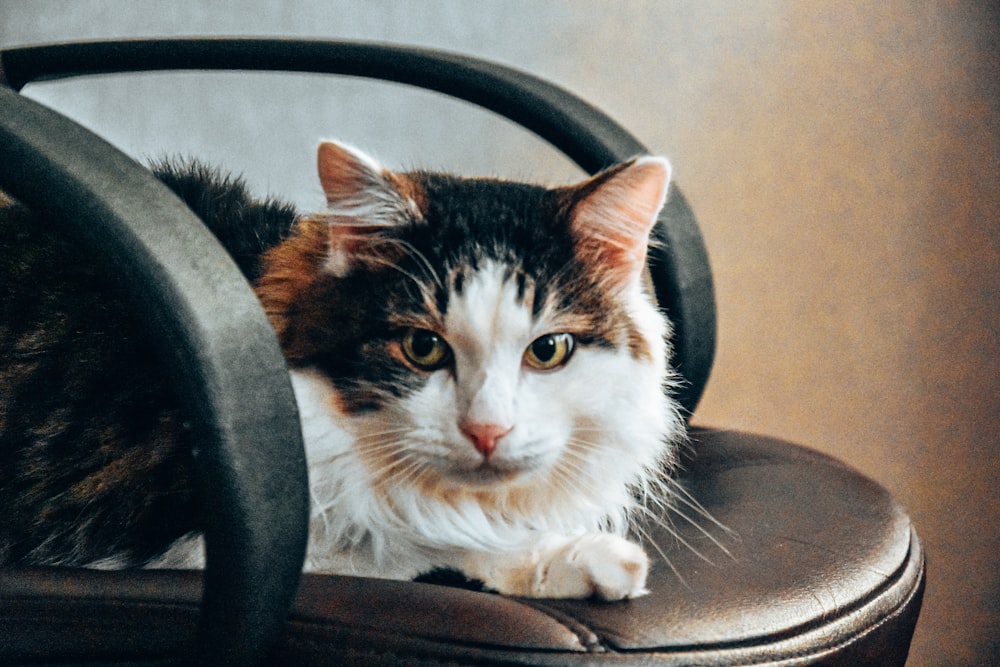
<point>475,456</point>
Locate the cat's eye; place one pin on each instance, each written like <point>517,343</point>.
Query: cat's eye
<point>549,351</point>
<point>425,349</point>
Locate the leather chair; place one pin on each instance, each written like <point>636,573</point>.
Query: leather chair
<point>817,565</point>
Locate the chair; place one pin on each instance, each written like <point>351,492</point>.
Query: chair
<point>822,565</point>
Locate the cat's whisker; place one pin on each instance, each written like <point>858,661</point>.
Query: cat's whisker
<point>421,259</point>
<point>576,462</point>
<point>401,469</point>
<point>379,434</point>
<point>562,482</point>
<point>321,508</point>
<point>411,474</point>
<point>580,446</point>
<point>406,246</point>
<point>327,460</point>
<point>421,474</point>
<point>420,284</point>
<point>392,460</point>
<point>697,526</point>
<point>648,539</point>
<point>682,495</point>
<point>660,513</point>
<point>398,459</point>
<point>680,539</point>
<point>569,480</point>
<point>590,429</point>
<point>383,443</point>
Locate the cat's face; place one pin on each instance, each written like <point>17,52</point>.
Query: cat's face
<point>478,334</point>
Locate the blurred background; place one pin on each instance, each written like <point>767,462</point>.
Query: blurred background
<point>843,160</point>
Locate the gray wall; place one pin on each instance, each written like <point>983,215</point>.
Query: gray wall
<point>842,159</point>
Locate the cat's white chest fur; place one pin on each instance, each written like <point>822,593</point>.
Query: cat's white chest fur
<point>355,530</point>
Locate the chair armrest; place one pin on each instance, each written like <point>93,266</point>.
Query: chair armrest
<point>211,329</point>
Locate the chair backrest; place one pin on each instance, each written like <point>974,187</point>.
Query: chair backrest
<point>251,463</point>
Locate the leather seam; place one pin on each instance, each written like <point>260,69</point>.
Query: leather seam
<point>588,637</point>
<point>356,651</point>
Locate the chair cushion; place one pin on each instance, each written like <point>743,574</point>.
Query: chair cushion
<point>821,566</point>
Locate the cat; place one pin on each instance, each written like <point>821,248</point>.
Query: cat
<point>480,370</point>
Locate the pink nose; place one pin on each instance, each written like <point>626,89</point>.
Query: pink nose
<point>484,437</point>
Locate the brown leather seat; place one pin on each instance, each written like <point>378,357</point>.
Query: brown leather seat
<point>817,564</point>
<point>823,568</point>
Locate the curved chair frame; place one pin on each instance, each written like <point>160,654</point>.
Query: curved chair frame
<point>207,318</point>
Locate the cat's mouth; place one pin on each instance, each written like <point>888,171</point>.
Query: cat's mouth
<point>493,472</point>
<point>486,474</point>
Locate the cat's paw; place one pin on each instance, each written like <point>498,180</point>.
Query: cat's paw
<point>597,564</point>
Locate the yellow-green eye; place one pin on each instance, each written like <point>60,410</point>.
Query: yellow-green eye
<point>549,352</point>
<point>425,349</point>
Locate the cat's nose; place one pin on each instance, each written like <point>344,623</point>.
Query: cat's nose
<point>484,437</point>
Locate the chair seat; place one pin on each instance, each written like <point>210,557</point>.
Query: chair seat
<point>823,567</point>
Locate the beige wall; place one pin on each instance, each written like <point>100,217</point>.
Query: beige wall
<point>843,159</point>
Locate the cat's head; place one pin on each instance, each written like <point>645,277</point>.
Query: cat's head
<point>481,336</point>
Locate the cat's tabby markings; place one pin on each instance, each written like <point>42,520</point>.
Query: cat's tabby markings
<point>481,377</point>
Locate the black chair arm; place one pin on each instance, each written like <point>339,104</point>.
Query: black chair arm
<point>212,330</point>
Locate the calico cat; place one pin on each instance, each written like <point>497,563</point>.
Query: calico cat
<point>480,372</point>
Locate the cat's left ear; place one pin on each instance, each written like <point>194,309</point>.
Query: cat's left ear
<point>614,213</point>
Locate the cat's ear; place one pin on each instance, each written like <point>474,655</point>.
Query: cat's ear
<point>614,213</point>
<point>365,202</point>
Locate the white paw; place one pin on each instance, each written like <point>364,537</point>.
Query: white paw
<point>606,566</point>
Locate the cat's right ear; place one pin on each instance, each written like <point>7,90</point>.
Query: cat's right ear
<point>365,203</point>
